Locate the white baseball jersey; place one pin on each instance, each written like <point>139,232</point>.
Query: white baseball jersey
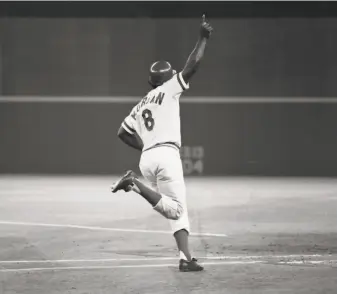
<point>156,118</point>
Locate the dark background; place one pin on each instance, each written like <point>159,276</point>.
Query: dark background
<point>257,50</point>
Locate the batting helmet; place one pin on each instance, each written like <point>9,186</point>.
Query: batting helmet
<point>160,72</point>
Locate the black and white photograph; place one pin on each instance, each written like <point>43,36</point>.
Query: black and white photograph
<point>157,147</point>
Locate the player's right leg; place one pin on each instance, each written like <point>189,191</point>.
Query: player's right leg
<point>169,176</point>
<point>164,171</point>
<point>152,165</point>
<point>170,181</point>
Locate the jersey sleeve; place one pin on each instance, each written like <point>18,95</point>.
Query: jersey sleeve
<point>176,85</point>
<point>129,124</point>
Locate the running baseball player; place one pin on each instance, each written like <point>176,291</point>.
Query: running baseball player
<point>153,127</point>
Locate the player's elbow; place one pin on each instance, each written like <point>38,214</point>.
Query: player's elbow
<point>120,133</point>
<point>124,138</point>
<point>198,58</point>
<point>197,63</point>
<point>190,69</point>
<point>194,62</point>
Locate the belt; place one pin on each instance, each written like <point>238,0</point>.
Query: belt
<point>169,144</point>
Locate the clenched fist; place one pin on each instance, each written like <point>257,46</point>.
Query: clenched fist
<point>205,28</point>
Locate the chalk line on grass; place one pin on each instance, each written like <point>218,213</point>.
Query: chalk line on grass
<point>94,228</point>
<point>134,266</point>
<point>237,257</point>
<point>122,266</point>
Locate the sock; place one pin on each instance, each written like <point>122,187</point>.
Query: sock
<point>182,255</point>
<point>181,237</point>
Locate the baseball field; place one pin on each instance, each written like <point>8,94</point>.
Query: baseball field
<point>69,234</point>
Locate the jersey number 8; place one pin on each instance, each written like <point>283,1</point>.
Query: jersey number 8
<point>148,119</point>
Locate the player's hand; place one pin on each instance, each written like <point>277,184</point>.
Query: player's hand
<point>205,28</point>
<point>128,188</point>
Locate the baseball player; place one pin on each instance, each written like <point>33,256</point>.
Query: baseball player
<point>153,127</point>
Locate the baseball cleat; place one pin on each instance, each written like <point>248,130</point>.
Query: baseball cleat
<point>124,183</point>
<point>189,266</point>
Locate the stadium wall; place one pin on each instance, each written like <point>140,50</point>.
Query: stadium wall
<point>220,137</point>
<point>259,57</point>
<point>109,57</point>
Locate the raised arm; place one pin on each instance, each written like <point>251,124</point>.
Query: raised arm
<point>197,54</point>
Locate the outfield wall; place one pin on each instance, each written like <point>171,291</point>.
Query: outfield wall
<point>109,57</point>
<point>219,137</point>
<point>263,57</point>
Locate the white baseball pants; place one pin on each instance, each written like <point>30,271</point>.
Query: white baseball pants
<point>162,167</point>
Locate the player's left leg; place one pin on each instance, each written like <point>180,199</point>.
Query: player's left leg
<point>154,163</point>
<point>130,182</point>
<point>165,205</point>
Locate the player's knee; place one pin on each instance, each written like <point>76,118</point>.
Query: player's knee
<point>169,209</point>
<point>176,214</point>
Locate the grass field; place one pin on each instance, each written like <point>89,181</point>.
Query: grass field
<point>63,234</point>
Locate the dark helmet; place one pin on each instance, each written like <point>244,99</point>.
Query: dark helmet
<point>160,72</point>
